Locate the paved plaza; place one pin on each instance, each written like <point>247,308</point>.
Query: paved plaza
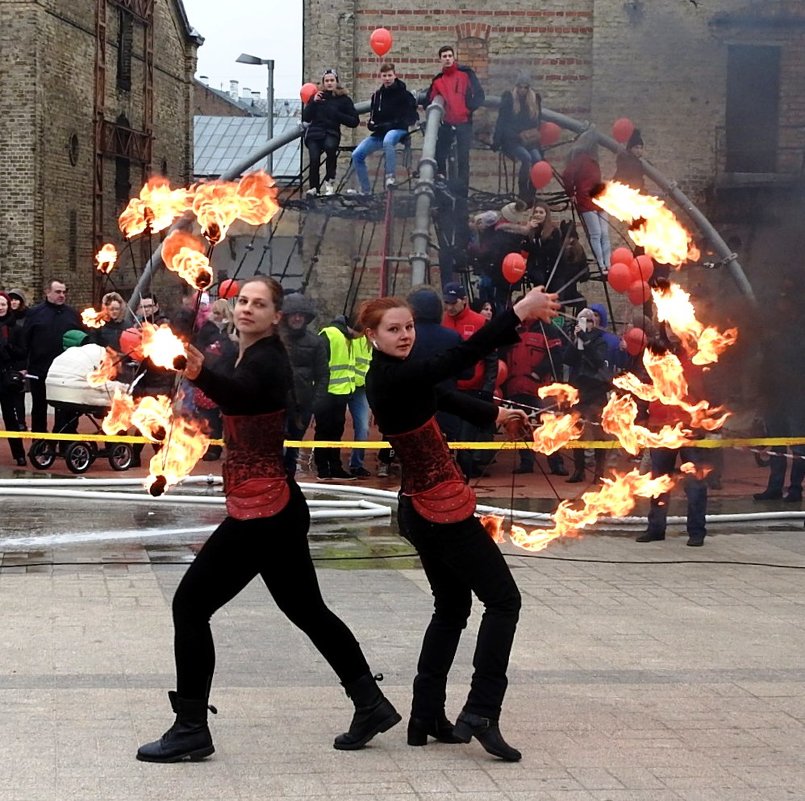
<point>640,672</point>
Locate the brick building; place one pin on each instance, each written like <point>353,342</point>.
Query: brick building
<point>96,96</point>
<point>717,88</point>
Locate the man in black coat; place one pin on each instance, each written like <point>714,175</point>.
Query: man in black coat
<point>392,112</point>
<point>45,325</point>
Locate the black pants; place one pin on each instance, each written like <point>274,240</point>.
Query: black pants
<point>8,405</point>
<point>462,135</point>
<point>39,404</point>
<point>315,147</point>
<point>277,550</point>
<point>460,559</point>
<point>331,418</point>
<point>295,428</point>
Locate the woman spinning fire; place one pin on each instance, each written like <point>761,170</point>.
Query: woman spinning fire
<point>265,533</point>
<point>436,514</point>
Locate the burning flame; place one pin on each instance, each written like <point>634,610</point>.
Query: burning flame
<point>614,499</point>
<point>106,258</point>
<point>561,393</point>
<point>555,431</point>
<point>185,445</point>
<point>118,418</point>
<point>155,209</point>
<point>618,419</point>
<point>690,469</point>
<point>185,255</point>
<point>218,204</point>
<point>494,527</point>
<point>152,415</point>
<point>93,319</point>
<point>163,347</point>
<point>653,225</point>
<point>106,370</point>
<point>704,345</point>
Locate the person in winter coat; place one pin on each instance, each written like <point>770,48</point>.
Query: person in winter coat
<point>616,352</point>
<point>308,355</point>
<point>462,93</point>
<point>18,301</point>
<point>45,325</point>
<point>543,244</point>
<point>581,177</point>
<point>591,376</point>
<point>114,309</point>
<point>12,385</point>
<point>325,113</point>
<point>517,130</point>
<point>392,112</point>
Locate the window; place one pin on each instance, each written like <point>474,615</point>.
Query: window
<point>753,101</point>
<point>125,45</point>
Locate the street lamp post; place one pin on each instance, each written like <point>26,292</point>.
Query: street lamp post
<point>245,58</point>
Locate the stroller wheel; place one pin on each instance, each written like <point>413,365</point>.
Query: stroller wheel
<point>42,454</point>
<point>79,456</point>
<point>120,456</point>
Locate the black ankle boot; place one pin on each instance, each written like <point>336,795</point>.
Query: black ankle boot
<point>188,738</point>
<point>486,731</point>
<point>374,714</point>
<point>576,478</point>
<point>436,726</point>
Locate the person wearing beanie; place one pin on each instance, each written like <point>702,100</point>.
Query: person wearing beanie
<point>629,164</point>
<point>325,113</point>
<point>517,130</point>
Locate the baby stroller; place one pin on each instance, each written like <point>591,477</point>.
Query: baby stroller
<point>73,398</point>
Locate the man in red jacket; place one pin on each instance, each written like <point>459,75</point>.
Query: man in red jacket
<point>459,317</point>
<point>462,93</point>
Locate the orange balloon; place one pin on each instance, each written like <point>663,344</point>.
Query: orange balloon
<point>380,41</point>
<point>638,293</point>
<point>541,174</point>
<point>513,267</point>
<point>549,133</point>
<point>307,91</point>
<point>228,289</point>
<point>622,129</point>
<point>619,276</point>
<point>131,342</point>
<point>635,339</point>
<point>621,255</point>
<point>642,267</point>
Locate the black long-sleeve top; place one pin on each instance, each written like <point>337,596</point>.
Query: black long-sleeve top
<point>261,383</point>
<point>403,393</point>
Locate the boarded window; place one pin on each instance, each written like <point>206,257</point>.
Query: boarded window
<point>753,108</point>
<point>125,46</point>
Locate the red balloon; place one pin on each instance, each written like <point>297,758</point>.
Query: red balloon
<point>638,293</point>
<point>131,341</point>
<point>635,339</point>
<point>541,174</point>
<point>513,267</point>
<point>503,373</point>
<point>549,133</point>
<point>622,130</point>
<point>380,41</point>
<point>642,267</point>
<point>228,289</point>
<point>619,276</point>
<point>307,91</point>
<point>621,256</point>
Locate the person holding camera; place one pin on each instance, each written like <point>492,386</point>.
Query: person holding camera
<point>591,375</point>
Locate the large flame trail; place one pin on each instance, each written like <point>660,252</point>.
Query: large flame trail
<point>155,209</point>
<point>106,259</point>
<point>185,255</point>
<point>618,419</point>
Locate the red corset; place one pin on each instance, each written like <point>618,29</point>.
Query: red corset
<point>255,481</point>
<point>430,476</point>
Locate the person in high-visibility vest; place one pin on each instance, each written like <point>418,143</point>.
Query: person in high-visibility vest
<point>331,411</point>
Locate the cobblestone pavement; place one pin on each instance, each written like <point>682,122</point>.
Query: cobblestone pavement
<point>640,672</point>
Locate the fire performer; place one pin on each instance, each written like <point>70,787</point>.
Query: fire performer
<point>265,533</point>
<point>436,513</point>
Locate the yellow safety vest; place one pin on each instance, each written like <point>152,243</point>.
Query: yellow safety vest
<point>342,362</point>
<point>362,351</point>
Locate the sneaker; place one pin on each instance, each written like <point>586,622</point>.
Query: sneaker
<point>329,187</point>
<point>359,472</point>
<point>312,192</point>
<point>383,471</point>
<point>341,474</point>
<point>391,181</point>
<point>650,537</point>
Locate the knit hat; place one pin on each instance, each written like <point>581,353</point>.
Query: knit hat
<point>426,304</point>
<point>523,78</point>
<point>73,338</point>
<point>329,71</point>
<point>516,212</point>
<point>635,139</point>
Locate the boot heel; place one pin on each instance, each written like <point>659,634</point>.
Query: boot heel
<point>417,733</point>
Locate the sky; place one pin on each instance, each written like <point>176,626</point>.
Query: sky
<point>255,27</point>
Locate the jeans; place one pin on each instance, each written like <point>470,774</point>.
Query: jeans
<point>358,407</point>
<point>527,157</point>
<point>662,463</point>
<point>315,147</point>
<point>372,144</point>
<point>597,225</point>
<point>460,559</point>
<point>462,134</point>
<point>276,549</point>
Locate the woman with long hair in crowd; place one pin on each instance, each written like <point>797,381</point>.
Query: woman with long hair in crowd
<point>264,533</point>
<point>543,244</point>
<point>437,513</point>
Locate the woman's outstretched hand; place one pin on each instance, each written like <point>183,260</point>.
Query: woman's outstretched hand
<point>537,305</point>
